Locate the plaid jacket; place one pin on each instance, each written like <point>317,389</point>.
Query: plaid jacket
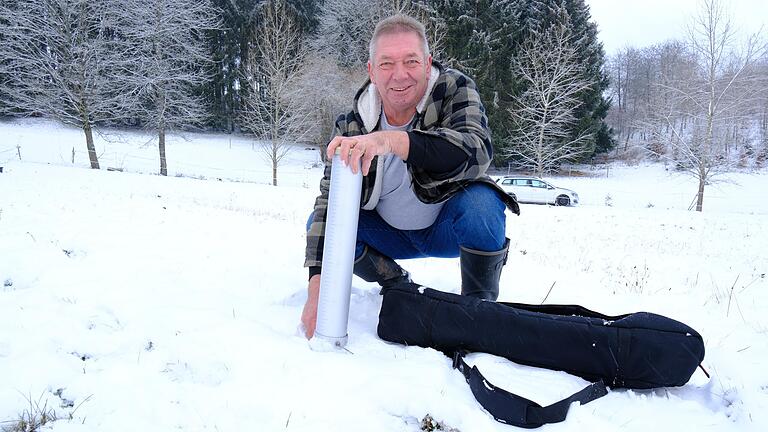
<point>451,109</point>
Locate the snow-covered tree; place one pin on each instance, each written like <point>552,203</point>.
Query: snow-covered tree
<point>169,59</point>
<point>62,60</point>
<point>276,112</point>
<point>724,81</point>
<point>544,114</point>
<point>479,38</point>
<point>483,37</point>
<point>5,105</point>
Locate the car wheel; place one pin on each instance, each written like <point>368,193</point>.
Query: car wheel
<point>563,200</point>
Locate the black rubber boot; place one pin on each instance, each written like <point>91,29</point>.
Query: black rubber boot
<point>373,266</point>
<point>481,271</point>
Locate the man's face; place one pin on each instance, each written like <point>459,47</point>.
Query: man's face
<point>400,72</point>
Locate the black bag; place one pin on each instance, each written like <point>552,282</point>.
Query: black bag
<point>638,351</point>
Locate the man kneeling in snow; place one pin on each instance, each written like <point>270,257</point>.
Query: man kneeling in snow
<point>419,133</point>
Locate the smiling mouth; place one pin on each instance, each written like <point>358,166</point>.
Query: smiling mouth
<point>400,89</point>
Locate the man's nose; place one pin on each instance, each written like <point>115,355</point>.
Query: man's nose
<point>399,71</point>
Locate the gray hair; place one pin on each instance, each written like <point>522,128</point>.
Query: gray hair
<point>399,23</point>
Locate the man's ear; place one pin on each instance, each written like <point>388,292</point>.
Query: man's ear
<point>370,72</point>
<point>429,63</point>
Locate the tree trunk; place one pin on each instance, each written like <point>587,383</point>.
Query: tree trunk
<point>89,143</point>
<point>700,195</point>
<point>161,145</point>
<point>274,173</point>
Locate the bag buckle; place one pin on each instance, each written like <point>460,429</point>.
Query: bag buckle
<point>459,363</point>
<point>458,359</point>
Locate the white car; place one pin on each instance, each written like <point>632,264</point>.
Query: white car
<point>535,190</point>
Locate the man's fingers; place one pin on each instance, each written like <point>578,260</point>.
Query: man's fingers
<point>309,319</point>
<point>309,330</point>
<point>309,314</point>
<point>331,149</point>
<point>339,142</point>
<point>346,149</point>
<point>356,157</point>
<point>356,152</point>
<point>366,161</point>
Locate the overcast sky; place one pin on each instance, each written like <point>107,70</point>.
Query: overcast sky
<point>641,23</point>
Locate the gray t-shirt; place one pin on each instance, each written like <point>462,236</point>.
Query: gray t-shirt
<point>398,205</point>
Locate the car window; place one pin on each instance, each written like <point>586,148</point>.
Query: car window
<point>506,182</point>
<point>522,182</point>
<point>539,184</point>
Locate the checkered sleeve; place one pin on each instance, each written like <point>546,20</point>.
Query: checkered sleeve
<point>457,115</point>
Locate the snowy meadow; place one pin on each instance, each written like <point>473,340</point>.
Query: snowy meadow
<point>135,302</point>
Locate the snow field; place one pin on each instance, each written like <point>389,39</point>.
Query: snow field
<point>173,303</point>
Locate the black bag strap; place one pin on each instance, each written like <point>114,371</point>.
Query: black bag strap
<point>512,409</point>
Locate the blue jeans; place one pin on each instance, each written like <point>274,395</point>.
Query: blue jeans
<point>473,218</point>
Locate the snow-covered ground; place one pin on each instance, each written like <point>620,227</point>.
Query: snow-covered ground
<point>151,303</point>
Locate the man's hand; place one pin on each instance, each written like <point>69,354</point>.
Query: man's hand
<point>309,315</point>
<point>359,151</point>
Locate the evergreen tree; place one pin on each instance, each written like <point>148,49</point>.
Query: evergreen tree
<point>306,14</point>
<point>483,38</point>
<point>229,50</point>
<point>230,47</point>
<point>480,40</point>
<point>538,17</point>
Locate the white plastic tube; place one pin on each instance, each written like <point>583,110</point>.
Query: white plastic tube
<point>338,257</point>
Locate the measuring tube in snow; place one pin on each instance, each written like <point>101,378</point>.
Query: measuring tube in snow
<point>338,257</point>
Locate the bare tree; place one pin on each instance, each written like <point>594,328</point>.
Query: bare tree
<point>63,61</point>
<point>543,115</point>
<point>5,106</point>
<point>702,106</point>
<point>276,112</point>
<point>762,112</point>
<point>169,58</point>
<point>640,80</point>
